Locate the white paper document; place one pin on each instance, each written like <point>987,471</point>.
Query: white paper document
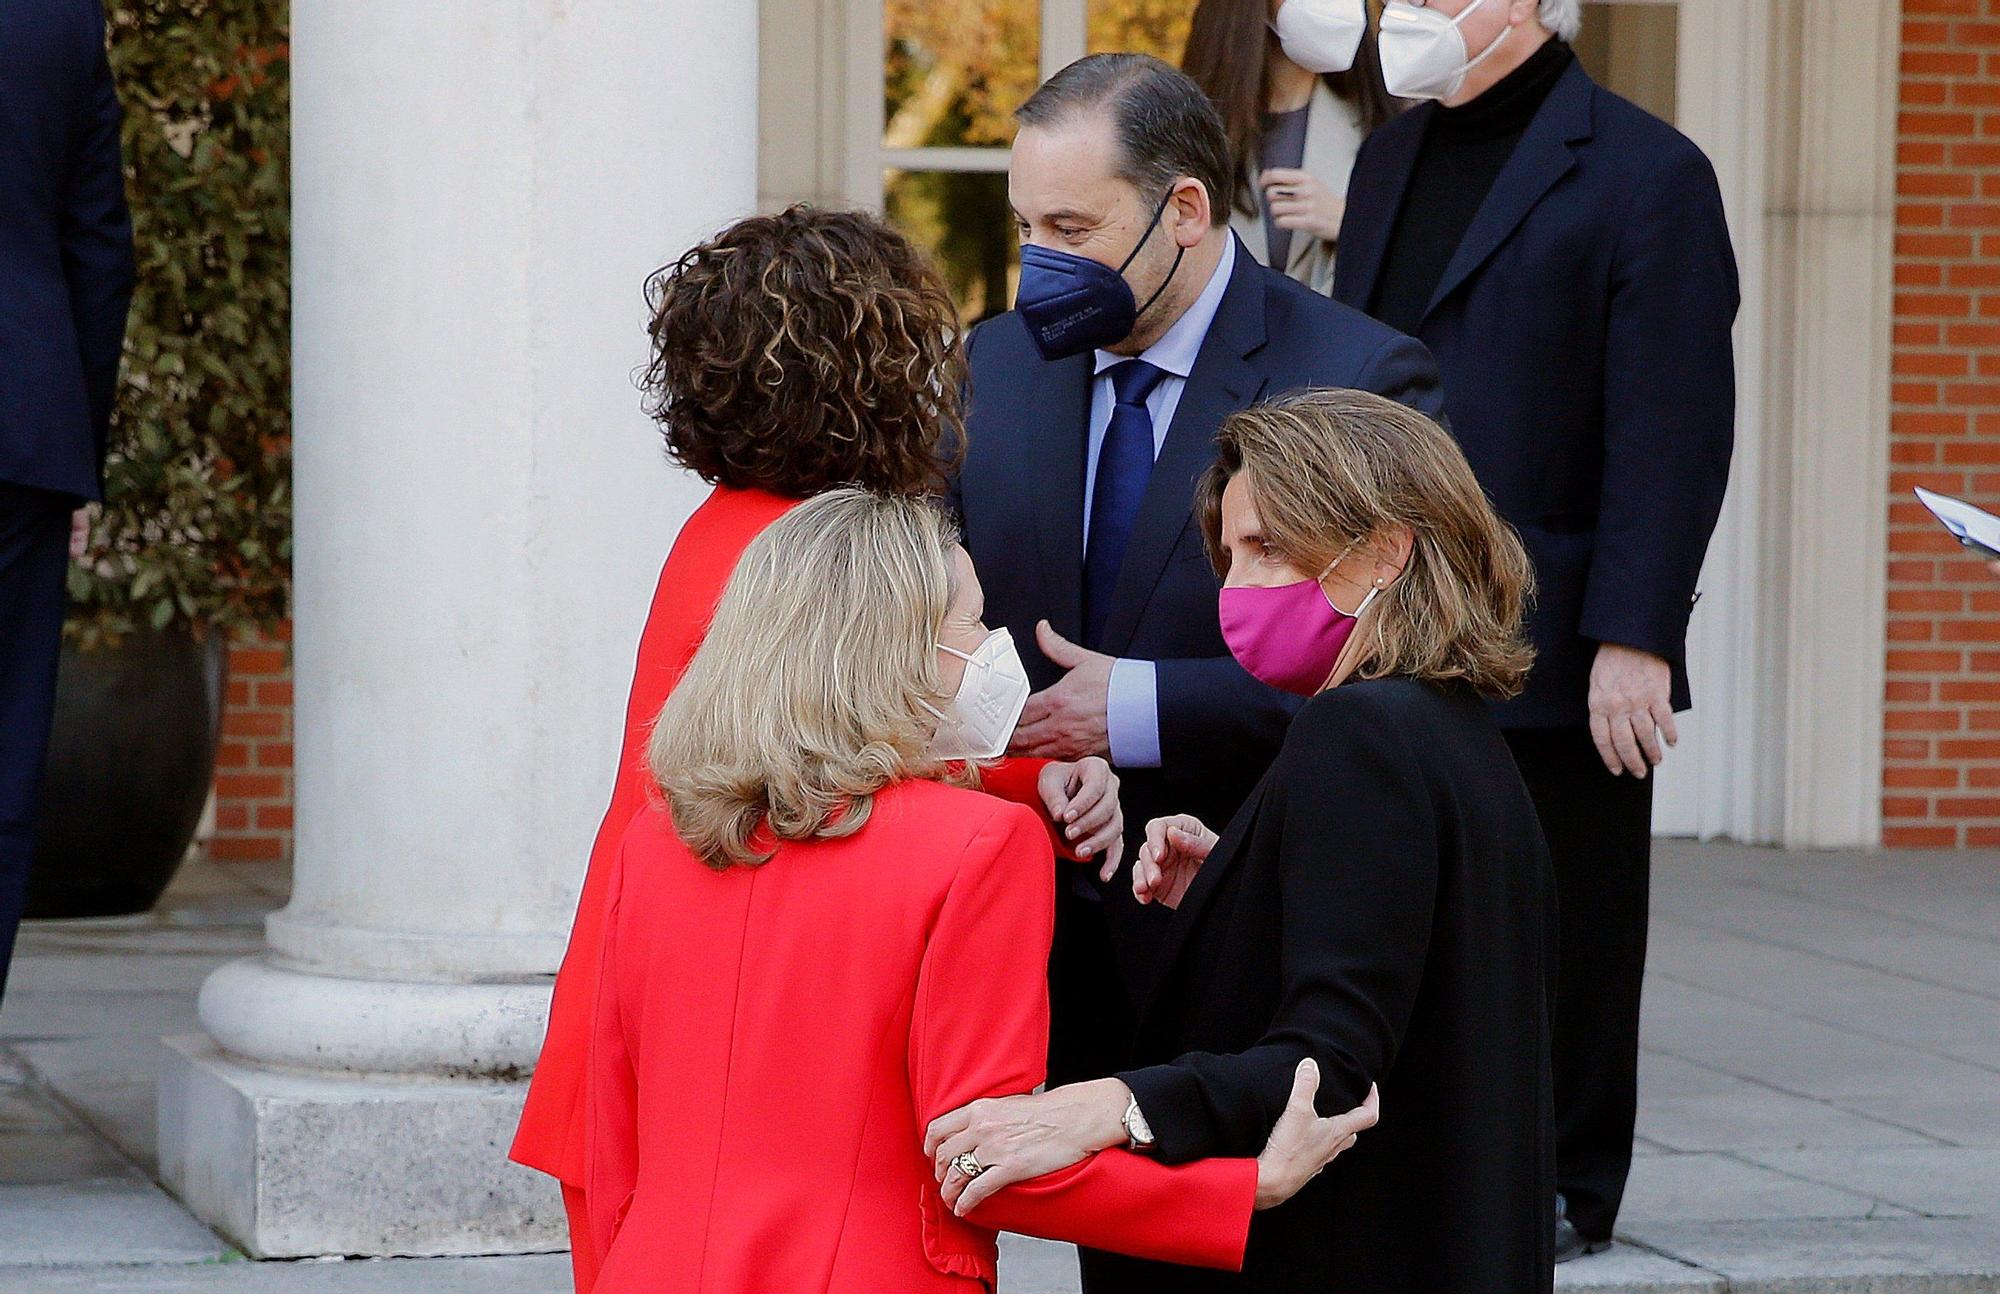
<point>1976,528</point>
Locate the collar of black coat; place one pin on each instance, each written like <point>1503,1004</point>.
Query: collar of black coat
<point>1545,153</point>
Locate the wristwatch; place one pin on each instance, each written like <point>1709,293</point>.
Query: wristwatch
<point>1138,1132</point>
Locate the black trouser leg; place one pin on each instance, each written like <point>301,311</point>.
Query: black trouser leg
<point>34,559</point>
<point>1599,829</point>
<point>1090,1011</point>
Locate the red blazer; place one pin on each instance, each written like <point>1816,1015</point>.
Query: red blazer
<point>769,1044</point>
<point>550,1136</point>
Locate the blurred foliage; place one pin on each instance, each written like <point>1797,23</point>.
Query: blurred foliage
<point>1156,27</point>
<point>195,531</point>
<point>960,67</point>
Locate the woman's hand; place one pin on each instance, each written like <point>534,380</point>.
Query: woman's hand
<point>1299,201</point>
<point>1015,1138</point>
<point>1082,798</point>
<point>1174,851</point>
<point>1303,1143</point>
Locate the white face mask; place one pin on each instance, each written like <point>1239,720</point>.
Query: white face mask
<point>1321,35</point>
<point>1423,52</point>
<point>989,701</point>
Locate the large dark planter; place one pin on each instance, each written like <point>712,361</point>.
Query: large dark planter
<point>129,771</point>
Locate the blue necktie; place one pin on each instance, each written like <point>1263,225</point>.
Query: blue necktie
<point>1124,465</point>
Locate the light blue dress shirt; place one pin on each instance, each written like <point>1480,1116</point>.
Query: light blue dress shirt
<point>1132,707</point>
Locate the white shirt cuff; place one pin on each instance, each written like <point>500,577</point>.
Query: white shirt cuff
<point>1132,714</point>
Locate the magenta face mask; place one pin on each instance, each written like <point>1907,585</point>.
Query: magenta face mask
<point>1288,635</point>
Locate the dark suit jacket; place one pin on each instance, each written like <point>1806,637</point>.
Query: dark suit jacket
<point>1583,332</point>
<point>1383,903</point>
<point>1020,498</point>
<point>66,265</point>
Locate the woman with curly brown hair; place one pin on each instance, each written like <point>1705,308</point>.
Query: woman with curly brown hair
<point>791,354</point>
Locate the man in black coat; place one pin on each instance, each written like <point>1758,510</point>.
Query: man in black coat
<point>1140,324</point>
<point>66,271</point>
<point>1564,256</point>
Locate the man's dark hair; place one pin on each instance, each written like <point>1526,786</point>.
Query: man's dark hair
<point>1164,125</point>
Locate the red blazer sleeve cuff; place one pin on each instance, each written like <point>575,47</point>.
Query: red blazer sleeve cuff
<point>1196,1215</point>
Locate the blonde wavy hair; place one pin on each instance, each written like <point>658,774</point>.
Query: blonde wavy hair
<point>807,695</point>
<point>1328,468</point>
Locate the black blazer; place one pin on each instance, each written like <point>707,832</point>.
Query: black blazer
<point>1382,903</point>
<point>1583,331</point>
<point>65,245</point>
<point>1019,496</point>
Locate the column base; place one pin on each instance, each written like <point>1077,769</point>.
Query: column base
<point>295,1165</point>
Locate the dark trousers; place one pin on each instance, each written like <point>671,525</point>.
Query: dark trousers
<point>1599,829</point>
<point>1090,1009</point>
<point>34,561</point>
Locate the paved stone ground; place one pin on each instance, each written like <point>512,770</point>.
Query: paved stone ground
<point>1820,1097</point>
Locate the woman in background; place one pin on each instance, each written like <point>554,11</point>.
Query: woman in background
<point>1299,86</point>
<point>765,385</point>
<point>822,938</point>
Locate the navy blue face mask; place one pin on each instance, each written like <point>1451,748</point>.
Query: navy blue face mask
<point>1073,304</point>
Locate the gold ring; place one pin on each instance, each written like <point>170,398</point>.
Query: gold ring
<point>968,1163</point>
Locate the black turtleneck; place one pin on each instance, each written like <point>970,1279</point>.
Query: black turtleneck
<point>1462,153</point>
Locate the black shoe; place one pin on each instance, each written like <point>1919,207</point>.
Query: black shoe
<point>1569,1241</point>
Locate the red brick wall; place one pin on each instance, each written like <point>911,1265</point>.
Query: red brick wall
<point>253,773</point>
<point>1941,765</point>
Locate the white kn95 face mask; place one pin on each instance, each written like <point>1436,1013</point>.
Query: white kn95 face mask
<point>988,703</point>
<point>1423,52</point>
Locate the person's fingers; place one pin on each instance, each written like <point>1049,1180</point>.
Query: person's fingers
<point>952,1187</point>
<point>997,1177</point>
<point>1038,708</point>
<point>945,1125</point>
<point>1283,175</point>
<point>1114,853</point>
<point>1649,743</point>
<point>1037,735</point>
<point>1305,1086</point>
<point>1060,650</point>
<point>1097,842</point>
<point>1145,879</point>
<point>1090,786</point>
<point>1091,819</point>
<point>1663,716</point>
<point>1355,1122</point>
<point>1156,839</point>
<point>1600,733</point>
<point>1056,796</point>
<point>952,1147</point>
<point>1626,743</point>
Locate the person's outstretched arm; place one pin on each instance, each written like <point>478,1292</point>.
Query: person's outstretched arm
<point>1359,882</point>
<point>980,1029</point>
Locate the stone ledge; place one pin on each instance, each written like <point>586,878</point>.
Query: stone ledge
<point>292,1165</point>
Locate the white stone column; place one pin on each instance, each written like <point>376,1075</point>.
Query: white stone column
<point>480,188</point>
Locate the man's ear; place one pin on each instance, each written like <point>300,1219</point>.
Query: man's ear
<point>1190,209</point>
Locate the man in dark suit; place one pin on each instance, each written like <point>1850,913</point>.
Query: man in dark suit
<point>1564,256</point>
<point>1139,325</point>
<point>66,273</point>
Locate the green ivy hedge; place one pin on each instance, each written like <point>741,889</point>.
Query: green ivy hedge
<point>195,531</point>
